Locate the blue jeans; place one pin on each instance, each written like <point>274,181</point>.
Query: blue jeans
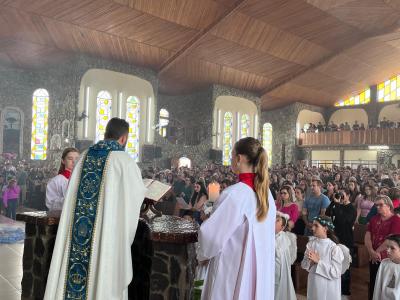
<point>12,208</point>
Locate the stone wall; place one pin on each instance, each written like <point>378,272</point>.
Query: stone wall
<point>62,81</point>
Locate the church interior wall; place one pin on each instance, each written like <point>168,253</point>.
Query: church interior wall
<point>390,112</point>
<point>349,115</point>
<point>307,116</point>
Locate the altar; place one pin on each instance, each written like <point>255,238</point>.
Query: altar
<point>163,256</point>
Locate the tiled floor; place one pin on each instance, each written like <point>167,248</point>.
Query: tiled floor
<point>11,271</point>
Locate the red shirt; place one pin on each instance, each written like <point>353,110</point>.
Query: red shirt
<point>380,229</point>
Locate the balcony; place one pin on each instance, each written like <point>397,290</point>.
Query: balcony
<point>379,136</point>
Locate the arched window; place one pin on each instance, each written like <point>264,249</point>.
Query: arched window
<point>133,118</point>
<point>103,113</point>
<point>389,90</point>
<point>227,139</point>
<point>267,141</point>
<point>184,162</point>
<point>244,126</point>
<point>362,98</point>
<point>163,122</point>
<point>40,115</point>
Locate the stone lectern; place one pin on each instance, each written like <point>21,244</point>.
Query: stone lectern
<point>163,256</point>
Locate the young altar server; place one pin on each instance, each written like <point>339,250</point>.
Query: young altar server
<point>323,260</point>
<point>238,239</point>
<point>57,186</point>
<point>285,256</point>
<point>387,284</point>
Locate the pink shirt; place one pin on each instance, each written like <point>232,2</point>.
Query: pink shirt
<point>292,210</point>
<point>10,193</point>
<point>365,205</point>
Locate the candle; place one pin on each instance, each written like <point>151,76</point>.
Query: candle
<point>213,191</point>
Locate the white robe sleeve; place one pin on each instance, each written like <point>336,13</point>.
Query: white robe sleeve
<point>332,270</point>
<point>55,192</point>
<point>306,264</point>
<point>216,230</point>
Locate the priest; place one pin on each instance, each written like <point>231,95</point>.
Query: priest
<point>92,253</point>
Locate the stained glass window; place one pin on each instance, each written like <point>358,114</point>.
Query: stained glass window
<point>133,118</point>
<point>163,122</point>
<point>103,113</point>
<point>389,90</point>
<point>362,98</point>
<point>245,126</point>
<point>227,139</point>
<point>40,114</point>
<point>267,141</point>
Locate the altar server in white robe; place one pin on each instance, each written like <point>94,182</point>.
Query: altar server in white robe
<point>92,253</point>
<point>56,188</point>
<point>387,284</point>
<point>285,256</point>
<point>323,260</point>
<point>238,240</point>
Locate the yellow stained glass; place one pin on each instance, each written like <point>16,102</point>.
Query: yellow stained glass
<point>362,98</point>
<point>40,114</point>
<point>163,122</point>
<point>133,116</point>
<point>227,145</point>
<point>245,126</point>
<point>388,90</point>
<point>267,141</point>
<point>103,113</point>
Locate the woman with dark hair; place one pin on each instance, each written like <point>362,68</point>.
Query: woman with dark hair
<point>238,239</point>
<point>354,190</point>
<point>57,186</point>
<point>364,203</point>
<point>330,190</point>
<point>197,201</point>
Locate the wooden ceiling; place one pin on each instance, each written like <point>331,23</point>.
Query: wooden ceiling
<point>314,51</point>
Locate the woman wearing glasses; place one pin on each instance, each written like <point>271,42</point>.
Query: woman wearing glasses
<point>287,205</point>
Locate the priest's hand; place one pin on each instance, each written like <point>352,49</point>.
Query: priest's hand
<point>313,256</point>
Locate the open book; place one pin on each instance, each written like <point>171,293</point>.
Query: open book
<point>155,189</point>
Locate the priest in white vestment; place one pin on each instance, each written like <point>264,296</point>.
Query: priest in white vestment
<point>240,248</point>
<point>92,254</point>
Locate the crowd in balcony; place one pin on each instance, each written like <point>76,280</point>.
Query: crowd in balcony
<point>332,127</point>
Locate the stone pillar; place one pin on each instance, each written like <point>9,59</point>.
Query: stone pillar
<point>40,231</point>
<point>163,256</point>
<point>342,157</point>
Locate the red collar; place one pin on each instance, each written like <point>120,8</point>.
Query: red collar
<point>247,178</point>
<point>66,173</point>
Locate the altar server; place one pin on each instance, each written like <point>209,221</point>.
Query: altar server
<point>323,260</point>
<point>238,239</point>
<point>387,283</point>
<point>285,256</point>
<point>92,254</point>
<point>57,186</point>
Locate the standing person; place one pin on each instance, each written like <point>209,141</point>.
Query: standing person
<point>314,205</point>
<point>2,186</point>
<point>99,219</point>
<point>364,203</point>
<point>387,284</point>
<point>299,226</point>
<point>379,227</point>
<point>10,198</point>
<point>343,215</point>
<point>238,240</point>
<point>287,205</point>
<point>285,256</point>
<point>323,261</point>
<point>22,181</point>
<point>56,189</point>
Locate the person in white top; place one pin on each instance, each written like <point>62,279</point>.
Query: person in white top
<point>57,186</point>
<point>238,240</point>
<point>387,284</point>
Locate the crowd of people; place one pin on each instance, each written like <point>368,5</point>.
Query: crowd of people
<point>332,126</point>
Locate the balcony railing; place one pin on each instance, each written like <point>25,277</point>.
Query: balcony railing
<point>379,136</point>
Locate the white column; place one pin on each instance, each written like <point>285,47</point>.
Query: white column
<point>218,133</point>
<point>148,132</point>
<point>86,110</point>
<point>256,125</point>
<point>120,105</point>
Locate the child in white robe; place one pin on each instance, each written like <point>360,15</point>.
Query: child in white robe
<point>387,284</point>
<point>56,188</point>
<point>323,260</point>
<point>285,256</point>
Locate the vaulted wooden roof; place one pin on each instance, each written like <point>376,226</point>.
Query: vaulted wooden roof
<point>314,51</point>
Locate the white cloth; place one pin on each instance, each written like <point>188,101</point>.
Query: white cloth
<point>324,278</point>
<point>117,219</point>
<point>387,284</point>
<point>240,249</point>
<point>284,289</point>
<point>55,192</point>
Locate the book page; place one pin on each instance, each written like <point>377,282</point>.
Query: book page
<point>156,189</point>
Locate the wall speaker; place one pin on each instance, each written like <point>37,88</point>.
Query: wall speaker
<point>215,155</point>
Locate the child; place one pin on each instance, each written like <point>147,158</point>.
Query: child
<point>285,255</point>
<point>323,260</point>
<point>387,284</point>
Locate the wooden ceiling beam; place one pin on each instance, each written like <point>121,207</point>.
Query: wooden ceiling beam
<point>328,58</point>
<point>192,43</point>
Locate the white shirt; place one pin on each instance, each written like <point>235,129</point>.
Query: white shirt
<point>55,192</point>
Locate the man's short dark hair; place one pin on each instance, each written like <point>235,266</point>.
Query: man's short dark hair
<point>116,128</point>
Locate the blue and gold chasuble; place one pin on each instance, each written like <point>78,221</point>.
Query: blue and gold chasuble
<point>84,219</point>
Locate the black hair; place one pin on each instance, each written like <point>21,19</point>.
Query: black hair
<point>116,128</point>
<point>197,195</point>
<point>394,238</point>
